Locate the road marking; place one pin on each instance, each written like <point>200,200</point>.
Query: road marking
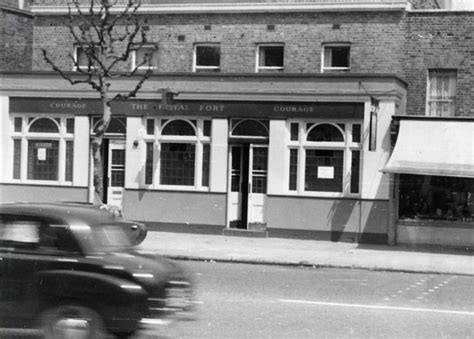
<point>379,307</point>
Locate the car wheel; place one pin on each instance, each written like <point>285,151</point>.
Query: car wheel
<point>72,321</point>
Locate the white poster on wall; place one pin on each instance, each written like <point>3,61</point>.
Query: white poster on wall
<point>325,172</point>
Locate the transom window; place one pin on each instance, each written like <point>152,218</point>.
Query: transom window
<point>441,93</point>
<point>43,149</point>
<point>318,156</point>
<point>207,58</point>
<point>177,153</point>
<point>249,128</point>
<point>336,57</point>
<point>270,57</point>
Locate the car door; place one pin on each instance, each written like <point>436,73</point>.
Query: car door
<point>29,245</point>
<point>19,238</point>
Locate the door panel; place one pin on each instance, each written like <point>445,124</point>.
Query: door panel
<point>257,196</point>
<point>116,173</point>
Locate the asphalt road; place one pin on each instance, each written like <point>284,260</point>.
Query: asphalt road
<point>259,301</point>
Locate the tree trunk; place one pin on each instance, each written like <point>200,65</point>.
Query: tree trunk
<point>97,148</point>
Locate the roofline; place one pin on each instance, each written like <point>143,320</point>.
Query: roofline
<point>278,7</point>
<point>236,76</point>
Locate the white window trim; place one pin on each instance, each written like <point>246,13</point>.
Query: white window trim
<point>196,67</point>
<point>330,68</point>
<point>134,60</point>
<point>302,145</point>
<point>259,68</point>
<point>447,100</point>
<point>75,68</point>
<point>24,136</point>
<point>199,140</point>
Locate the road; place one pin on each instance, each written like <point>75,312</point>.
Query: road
<point>259,301</point>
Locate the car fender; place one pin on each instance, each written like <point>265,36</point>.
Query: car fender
<point>114,298</point>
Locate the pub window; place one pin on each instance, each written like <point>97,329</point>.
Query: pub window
<point>182,155</point>
<point>317,159</point>
<point>207,58</point>
<point>441,93</point>
<point>48,145</point>
<point>270,57</point>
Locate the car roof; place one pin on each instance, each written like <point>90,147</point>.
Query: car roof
<point>68,213</point>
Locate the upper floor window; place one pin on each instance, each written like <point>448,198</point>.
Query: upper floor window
<point>270,57</point>
<point>441,93</point>
<point>144,58</point>
<point>336,57</point>
<point>207,57</point>
<point>85,57</point>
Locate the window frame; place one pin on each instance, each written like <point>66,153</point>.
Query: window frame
<point>450,75</point>
<point>199,68</point>
<point>78,67</point>
<point>24,137</point>
<point>301,145</point>
<point>332,68</point>
<point>259,68</point>
<point>198,140</point>
<point>145,67</point>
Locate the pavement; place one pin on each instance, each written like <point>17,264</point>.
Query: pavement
<point>310,253</point>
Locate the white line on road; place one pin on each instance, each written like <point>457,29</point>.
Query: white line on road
<point>379,307</point>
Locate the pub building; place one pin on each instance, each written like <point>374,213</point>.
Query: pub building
<point>278,155</point>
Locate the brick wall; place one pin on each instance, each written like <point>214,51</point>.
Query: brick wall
<point>439,40</point>
<point>16,40</point>
<point>372,35</point>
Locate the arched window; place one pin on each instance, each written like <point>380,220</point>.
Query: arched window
<point>49,147</point>
<point>249,128</point>
<point>178,127</point>
<point>44,125</point>
<point>182,155</point>
<point>325,133</point>
<point>328,155</point>
<point>116,125</point>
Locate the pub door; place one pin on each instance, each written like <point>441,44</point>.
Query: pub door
<point>248,186</point>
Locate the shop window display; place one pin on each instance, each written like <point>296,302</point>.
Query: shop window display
<point>436,198</point>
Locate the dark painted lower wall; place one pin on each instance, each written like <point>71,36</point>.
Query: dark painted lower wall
<point>172,207</point>
<point>30,193</point>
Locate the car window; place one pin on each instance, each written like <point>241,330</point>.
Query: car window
<point>19,233</point>
<point>34,233</point>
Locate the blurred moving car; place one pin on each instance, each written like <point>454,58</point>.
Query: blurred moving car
<point>71,270</point>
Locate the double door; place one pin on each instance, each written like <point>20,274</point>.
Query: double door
<point>248,186</point>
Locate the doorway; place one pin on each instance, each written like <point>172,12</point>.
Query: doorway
<point>248,186</point>
<point>114,171</point>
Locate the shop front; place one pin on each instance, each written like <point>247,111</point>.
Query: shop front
<point>433,167</point>
<point>287,156</point>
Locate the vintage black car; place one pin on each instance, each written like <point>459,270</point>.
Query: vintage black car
<point>68,269</point>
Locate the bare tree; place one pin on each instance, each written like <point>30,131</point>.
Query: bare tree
<point>105,34</point>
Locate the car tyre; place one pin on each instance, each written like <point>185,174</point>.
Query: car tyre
<point>72,321</point>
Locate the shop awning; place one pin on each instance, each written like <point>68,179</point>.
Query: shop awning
<point>434,147</point>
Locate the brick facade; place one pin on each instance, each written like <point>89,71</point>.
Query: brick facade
<point>16,39</point>
<point>404,43</point>
<point>439,40</point>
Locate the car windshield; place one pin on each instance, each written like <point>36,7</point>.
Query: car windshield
<point>104,239</point>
